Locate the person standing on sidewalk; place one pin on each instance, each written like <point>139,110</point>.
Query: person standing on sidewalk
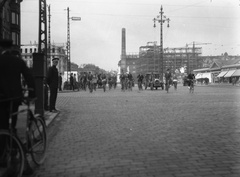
<point>52,80</point>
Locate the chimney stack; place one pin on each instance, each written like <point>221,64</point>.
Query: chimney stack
<point>123,42</point>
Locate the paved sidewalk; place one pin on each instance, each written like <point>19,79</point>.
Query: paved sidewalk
<point>21,124</point>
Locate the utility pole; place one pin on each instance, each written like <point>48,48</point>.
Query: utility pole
<point>68,40</point>
<point>49,34</point>
<point>40,59</point>
<point>68,44</point>
<point>161,19</point>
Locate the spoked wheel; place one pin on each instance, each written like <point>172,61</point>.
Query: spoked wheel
<point>11,155</point>
<point>104,88</point>
<point>38,140</point>
<point>167,87</point>
<point>191,89</point>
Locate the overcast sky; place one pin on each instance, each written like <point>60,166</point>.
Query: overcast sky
<point>96,39</point>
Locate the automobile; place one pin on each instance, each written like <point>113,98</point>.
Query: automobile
<point>155,84</point>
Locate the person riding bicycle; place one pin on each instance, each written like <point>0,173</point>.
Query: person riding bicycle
<point>122,80</point>
<point>140,78</point>
<point>12,68</point>
<point>90,83</point>
<point>190,78</point>
<point>175,79</point>
<point>168,77</point>
<point>130,80</point>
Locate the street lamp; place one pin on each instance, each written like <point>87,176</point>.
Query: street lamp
<point>68,40</point>
<point>161,19</point>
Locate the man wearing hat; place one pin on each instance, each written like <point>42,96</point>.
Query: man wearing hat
<point>12,68</point>
<point>52,81</point>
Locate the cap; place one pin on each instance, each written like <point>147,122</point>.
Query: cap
<point>6,43</point>
<point>55,59</point>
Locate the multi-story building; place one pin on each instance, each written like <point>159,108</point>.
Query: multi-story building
<point>173,58</point>
<point>57,50</point>
<point>10,21</point>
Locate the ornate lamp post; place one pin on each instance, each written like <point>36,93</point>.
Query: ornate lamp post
<point>161,19</point>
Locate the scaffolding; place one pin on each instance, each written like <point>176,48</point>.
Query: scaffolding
<point>173,58</point>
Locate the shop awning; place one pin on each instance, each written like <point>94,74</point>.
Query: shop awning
<point>221,74</point>
<point>230,73</point>
<point>236,73</point>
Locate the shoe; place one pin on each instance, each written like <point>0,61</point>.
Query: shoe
<point>188,87</point>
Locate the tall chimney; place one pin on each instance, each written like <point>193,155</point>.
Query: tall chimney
<point>123,42</point>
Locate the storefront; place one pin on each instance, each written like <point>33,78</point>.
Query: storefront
<point>220,74</point>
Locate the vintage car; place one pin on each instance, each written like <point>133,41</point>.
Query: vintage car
<point>155,83</point>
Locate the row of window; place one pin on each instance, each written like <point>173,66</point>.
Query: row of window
<point>34,50</point>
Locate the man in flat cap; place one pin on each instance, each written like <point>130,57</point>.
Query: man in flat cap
<point>52,81</point>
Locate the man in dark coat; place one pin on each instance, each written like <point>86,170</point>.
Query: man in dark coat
<point>11,69</point>
<point>60,82</point>
<point>52,80</point>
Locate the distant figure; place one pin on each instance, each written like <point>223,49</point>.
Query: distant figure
<point>71,82</point>
<point>74,82</point>
<point>52,80</point>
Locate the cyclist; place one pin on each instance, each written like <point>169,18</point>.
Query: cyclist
<point>11,69</point>
<point>140,80</point>
<point>122,79</point>
<point>90,82</point>
<point>190,78</point>
<point>151,79</point>
<point>104,81</point>
<point>130,81</point>
<point>175,81</point>
<point>168,77</point>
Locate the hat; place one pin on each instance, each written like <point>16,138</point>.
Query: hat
<point>55,59</point>
<point>6,43</point>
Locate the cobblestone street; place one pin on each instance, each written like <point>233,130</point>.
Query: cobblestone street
<point>146,134</point>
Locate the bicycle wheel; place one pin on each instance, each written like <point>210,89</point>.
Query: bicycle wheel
<point>11,155</point>
<point>38,140</point>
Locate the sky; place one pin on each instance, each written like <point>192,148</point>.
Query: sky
<point>213,25</point>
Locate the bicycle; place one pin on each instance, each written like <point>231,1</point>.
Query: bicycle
<point>104,83</point>
<point>167,85</point>
<point>129,85</point>
<point>175,84</point>
<point>140,85</point>
<point>191,87</point>
<point>15,151</point>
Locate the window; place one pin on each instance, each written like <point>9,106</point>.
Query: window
<point>14,38</point>
<point>31,50</point>
<point>26,50</point>
<point>15,18</point>
<point>35,50</point>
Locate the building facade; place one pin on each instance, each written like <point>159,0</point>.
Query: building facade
<point>173,58</point>
<point>219,69</point>
<point>10,24</point>
<point>57,50</point>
